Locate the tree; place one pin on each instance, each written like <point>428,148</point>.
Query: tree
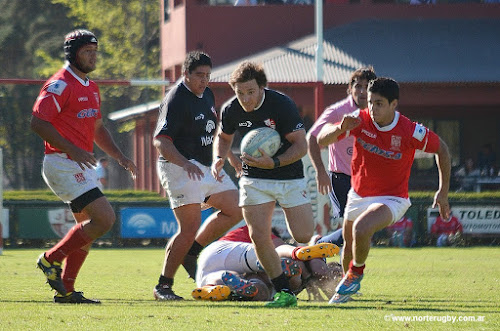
<point>23,30</point>
<point>31,40</point>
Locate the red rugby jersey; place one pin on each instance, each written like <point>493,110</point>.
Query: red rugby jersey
<point>382,157</point>
<point>72,106</point>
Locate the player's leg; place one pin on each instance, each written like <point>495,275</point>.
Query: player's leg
<point>217,224</point>
<point>376,218</point>
<point>348,242</point>
<point>258,219</point>
<point>188,219</point>
<point>224,197</point>
<point>300,222</point>
<point>75,260</point>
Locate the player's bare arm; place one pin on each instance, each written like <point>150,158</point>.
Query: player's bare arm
<point>221,150</point>
<point>105,141</point>
<point>294,153</point>
<point>322,179</point>
<point>48,133</point>
<point>330,132</point>
<point>166,148</point>
<point>444,169</point>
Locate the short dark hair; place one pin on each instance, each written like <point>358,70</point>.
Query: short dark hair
<point>386,87</point>
<point>194,59</point>
<point>367,73</point>
<point>247,71</point>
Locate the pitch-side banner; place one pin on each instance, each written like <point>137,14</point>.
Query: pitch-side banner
<point>150,222</point>
<point>474,219</point>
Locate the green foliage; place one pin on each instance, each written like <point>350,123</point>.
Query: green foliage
<point>31,47</point>
<point>112,195</point>
<point>414,282</point>
<point>128,35</point>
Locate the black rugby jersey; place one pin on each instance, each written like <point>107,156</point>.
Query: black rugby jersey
<point>189,121</point>
<point>278,112</point>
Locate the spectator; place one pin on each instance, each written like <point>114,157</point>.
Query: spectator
<point>246,2</point>
<point>401,233</point>
<point>486,160</point>
<point>102,172</point>
<point>467,175</point>
<point>446,231</point>
<point>422,2</point>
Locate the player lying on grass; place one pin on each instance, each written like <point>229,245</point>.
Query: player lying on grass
<point>229,268</point>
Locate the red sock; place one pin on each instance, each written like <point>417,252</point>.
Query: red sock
<point>74,262</point>
<point>75,239</point>
<point>294,253</point>
<point>358,270</point>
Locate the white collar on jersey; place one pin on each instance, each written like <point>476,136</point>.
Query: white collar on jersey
<point>83,82</point>
<point>390,126</point>
<point>262,101</point>
<point>184,83</point>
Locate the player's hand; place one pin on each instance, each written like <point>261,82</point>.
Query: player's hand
<point>82,157</point>
<point>441,201</point>
<point>129,165</point>
<point>216,168</point>
<point>194,172</point>
<point>263,162</point>
<point>324,183</point>
<point>349,122</point>
<point>237,165</point>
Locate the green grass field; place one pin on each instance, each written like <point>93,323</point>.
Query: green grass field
<point>424,285</point>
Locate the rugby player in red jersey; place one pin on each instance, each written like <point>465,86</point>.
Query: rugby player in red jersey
<point>67,116</point>
<point>384,149</point>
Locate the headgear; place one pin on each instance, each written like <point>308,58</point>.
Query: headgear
<point>74,40</point>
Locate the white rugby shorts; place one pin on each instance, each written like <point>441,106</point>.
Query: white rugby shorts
<point>356,205</point>
<point>65,177</point>
<point>224,255</point>
<point>183,191</point>
<point>289,193</point>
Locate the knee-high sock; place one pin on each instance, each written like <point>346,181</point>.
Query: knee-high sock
<point>75,239</point>
<point>72,266</point>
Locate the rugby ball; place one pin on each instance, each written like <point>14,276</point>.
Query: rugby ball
<point>265,138</point>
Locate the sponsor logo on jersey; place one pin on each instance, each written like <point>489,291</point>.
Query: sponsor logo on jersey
<point>379,151</point>
<point>207,140</point>
<point>214,111</point>
<point>210,126</point>
<point>96,95</point>
<point>270,123</point>
<point>396,143</point>
<point>80,178</point>
<point>247,124</point>
<point>56,87</point>
<point>369,134</point>
<point>83,99</point>
<point>299,126</point>
<point>419,132</point>
<point>199,117</point>
<point>349,150</point>
<point>88,113</point>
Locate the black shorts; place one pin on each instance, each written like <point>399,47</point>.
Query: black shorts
<point>83,200</point>
<point>341,184</point>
